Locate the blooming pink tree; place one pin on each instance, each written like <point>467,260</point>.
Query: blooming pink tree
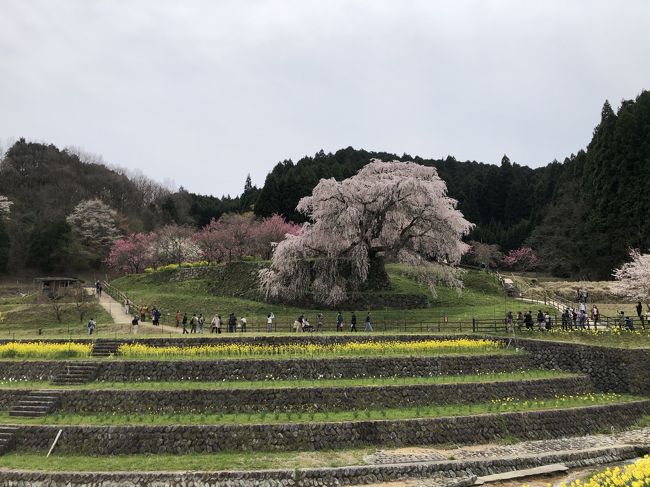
<point>131,254</point>
<point>633,278</point>
<point>523,258</point>
<point>389,209</point>
<point>269,232</point>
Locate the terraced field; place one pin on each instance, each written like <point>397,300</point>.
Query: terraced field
<point>305,414</point>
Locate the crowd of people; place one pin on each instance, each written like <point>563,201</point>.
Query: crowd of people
<point>196,323</point>
<point>572,319</point>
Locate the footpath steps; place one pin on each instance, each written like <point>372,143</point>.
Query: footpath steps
<point>36,404</point>
<point>7,438</point>
<point>75,374</point>
<point>105,348</point>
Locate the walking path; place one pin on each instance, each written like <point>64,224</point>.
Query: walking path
<point>121,317</point>
<point>637,438</point>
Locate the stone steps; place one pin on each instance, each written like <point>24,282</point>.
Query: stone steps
<point>36,404</point>
<point>105,348</point>
<point>7,438</point>
<point>75,374</point>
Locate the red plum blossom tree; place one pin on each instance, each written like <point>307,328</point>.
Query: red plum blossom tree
<point>388,209</point>
<point>523,258</point>
<point>131,254</point>
<point>633,278</point>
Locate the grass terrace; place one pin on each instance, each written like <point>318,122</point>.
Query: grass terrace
<point>194,461</point>
<point>613,337</point>
<point>505,405</point>
<point>320,383</point>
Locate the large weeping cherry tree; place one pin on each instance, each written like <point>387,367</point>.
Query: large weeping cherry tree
<point>388,210</point>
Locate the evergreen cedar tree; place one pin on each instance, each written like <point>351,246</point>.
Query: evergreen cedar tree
<point>581,215</point>
<point>389,209</point>
<point>633,278</point>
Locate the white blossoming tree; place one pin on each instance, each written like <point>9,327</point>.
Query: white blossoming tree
<point>633,278</point>
<point>397,210</point>
<point>93,222</point>
<point>5,206</point>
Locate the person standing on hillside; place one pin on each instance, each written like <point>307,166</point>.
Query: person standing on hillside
<point>269,322</point>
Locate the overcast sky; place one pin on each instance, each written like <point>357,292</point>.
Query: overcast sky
<point>204,92</point>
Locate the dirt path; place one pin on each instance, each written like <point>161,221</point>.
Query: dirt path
<point>121,317</point>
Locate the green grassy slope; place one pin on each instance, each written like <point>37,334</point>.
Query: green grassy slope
<point>482,297</point>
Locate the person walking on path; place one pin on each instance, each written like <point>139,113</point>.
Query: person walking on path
<point>135,324</point>
<point>193,322</point>
<point>339,322</point>
<point>595,316</point>
<point>178,317</point>
<point>184,322</point>
<point>201,321</point>
<point>232,323</point>
<point>216,324</point>
<point>639,313</point>
<point>91,326</point>
<point>320,322</point>
<point>353,322</point>
<point>368,325</point>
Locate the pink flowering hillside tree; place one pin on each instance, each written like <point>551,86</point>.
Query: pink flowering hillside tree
<point>269,232</point>
<point>523,258</point>
<point>633,278</point>
<point>131,254</point>
<point>397,210</point>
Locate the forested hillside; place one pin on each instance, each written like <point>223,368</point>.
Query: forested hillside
<point>581,215</point>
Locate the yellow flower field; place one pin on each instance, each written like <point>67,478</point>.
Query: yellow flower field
<point>44,350</point>
<point>635,475</point>
<point>424,347</point>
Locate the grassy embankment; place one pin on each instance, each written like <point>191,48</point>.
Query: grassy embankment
<point>482,297</point>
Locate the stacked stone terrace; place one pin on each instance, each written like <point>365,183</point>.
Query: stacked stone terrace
<point>594,370</point>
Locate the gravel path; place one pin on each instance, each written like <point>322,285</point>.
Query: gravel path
<point>408,455</point>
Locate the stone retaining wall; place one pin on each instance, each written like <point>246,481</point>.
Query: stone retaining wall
<point>611,369</point>
<point>446,473</point>
<point>223,370</point>
<point>234,369</point>
<point>307,399</point>
<point>177,439</point>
